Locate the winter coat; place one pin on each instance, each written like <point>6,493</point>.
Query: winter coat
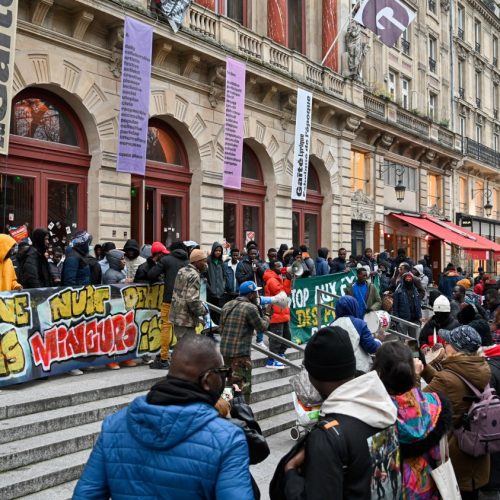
<point>34,269</point>
<point>447,282</point>
<point>308,264</point>
<point>372,300</point>
<point>338,265</point>
<point>385,282</point>
<point>245,272</point>
<point>402,306</point>
<point>322,266</point>
<point>275,284</point>
<point>371,263</point>
<point>133,264</point>
<point>187,307</point>
<point>8,278</point>
<point>215,273</point>
<point>115,274</point>
<point>76,270</point>
<point>56,271</point>
<point>426,337</point>
<point>141,276</point>
<point>341,468</point>
<point>169,266</point>
<point>95,270</point>
<point>174,451</point>
<point>471,472</point>
<point>229,278</point>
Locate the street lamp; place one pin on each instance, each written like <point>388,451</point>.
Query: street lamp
<point>488,207</point>
<point>400,188</point>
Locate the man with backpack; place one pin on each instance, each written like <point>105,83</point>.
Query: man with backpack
<point>336,461</point>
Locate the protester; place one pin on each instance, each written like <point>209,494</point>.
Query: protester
<point>480,274</point>
<point>469,315</point>
<point>362,339</point>
<point>98,251</point>
<point>133,258</point>
<point>366,294</point>
<point>491,304</point>
<point>34,267</point>
<point>275,283</point>
<point>457,299</point>
<point>168,267</point>
<point>384,277</point>
<point>76,269</point>
<point>116,272</point>
<point>158,250</point>
<point>229,268</point>
<point>310,268</point>
<point>281,251</point>
<point>461,348</point>
<point>423,419</point>
<point>399,259</point>
<point>56,265</point>
<point>187,307</point>
<point>495,328</point>
<point>272,256</point>
<point>406,303</point>
<point>368,260</point>
<point>250,268</point>
<point>418,271</point>
<point>216,280</point>
<point>239,318</point>
<point>448,280</point>
<point>442,319</point>
<point>426,269</point>
<point>339,263</point>
<point>336,461</point>
<point>322,267</point>
<point>172,443</point>
<point>103,262</point>
<point>8,278</point>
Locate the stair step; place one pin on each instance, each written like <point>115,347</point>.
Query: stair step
<point>277,423</point>
<point>66,390</point>
<point>42,475</point>
<point>263,374</point>
<point>270,389</point>
<point>54,444</point>
<point>259,359</point>
<point>273,406</point>
<point>61,492</point>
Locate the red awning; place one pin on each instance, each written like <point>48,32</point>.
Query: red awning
<point>477,247</point>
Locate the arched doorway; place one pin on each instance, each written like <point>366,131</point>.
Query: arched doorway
<point>160,200</point>
<point>43,180</point>
<point>244,209</point>
<point>306,215</point>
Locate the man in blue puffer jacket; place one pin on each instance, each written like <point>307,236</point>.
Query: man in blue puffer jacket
<point>172,443</point>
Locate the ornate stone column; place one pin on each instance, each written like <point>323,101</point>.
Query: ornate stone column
<point>276,21</point>
<point>209,4</point>
<point>330,30</point>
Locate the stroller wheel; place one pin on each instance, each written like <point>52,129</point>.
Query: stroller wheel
<point>295,433</point>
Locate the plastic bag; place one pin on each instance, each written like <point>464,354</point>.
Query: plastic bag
<point>306,415</point>
<point>305,391</point>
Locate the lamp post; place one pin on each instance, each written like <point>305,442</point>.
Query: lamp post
<point>488,207</point>
<point>400,188</point>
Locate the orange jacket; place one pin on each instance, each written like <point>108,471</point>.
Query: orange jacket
<point>8,278</point>
<point>274,284</point>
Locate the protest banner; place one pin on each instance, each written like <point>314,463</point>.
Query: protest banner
<point>303,307</point>
<point>49,331</point>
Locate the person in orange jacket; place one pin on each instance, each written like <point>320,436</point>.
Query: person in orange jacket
<point>275,282</point>
<point>8,278</point>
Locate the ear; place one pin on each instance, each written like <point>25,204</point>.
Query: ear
<point>204,382</point>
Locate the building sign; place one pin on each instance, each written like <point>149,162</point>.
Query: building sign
<point>49,331</point>
<point>466,222</point>
<point>302,144</point>
<point>134,97</point>
<point>386,18</point>
<point>8,22</point>
<point>233,123</point>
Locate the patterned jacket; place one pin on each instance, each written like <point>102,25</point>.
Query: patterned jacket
<point>186,306</point>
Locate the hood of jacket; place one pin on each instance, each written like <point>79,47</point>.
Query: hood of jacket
<point>215,246</point>
<point>6,244</point>
<point>164,427</point>
<point>364,398</point>
<point>269,274</point>
<point>38,239</point>
<point>473,368</point>
<point>133,246</point>
<point>179,254</point>
<point>419,268</point>
<point>346,306</point>
<point>114,257</point>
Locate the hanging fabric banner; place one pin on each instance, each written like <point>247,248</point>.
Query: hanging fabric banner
<point>7,50</point>
<point>134,97</point>
<point>233,123</point>
<point>174,11</point>
<point>302,144</point>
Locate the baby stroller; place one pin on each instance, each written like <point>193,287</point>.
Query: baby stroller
<point>306,402</point>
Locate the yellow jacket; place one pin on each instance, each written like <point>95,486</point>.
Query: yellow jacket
<point>8,278</point>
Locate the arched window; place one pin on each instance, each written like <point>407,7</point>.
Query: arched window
<point>43,182</point>
<point>306,216</point>
<point>160,200</point>
<point>244,209</point>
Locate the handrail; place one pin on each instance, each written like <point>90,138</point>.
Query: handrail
<point>282,360</point>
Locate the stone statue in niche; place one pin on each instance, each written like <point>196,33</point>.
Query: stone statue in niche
<point>116,46</point>
<point>356,51</point>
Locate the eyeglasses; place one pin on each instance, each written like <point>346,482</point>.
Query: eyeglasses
<point>223,371</point>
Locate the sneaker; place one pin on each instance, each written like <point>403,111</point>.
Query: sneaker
<point>272,363</point>
<point>147,360</point>
<point>113,366</point>
<point>128,364</point>
<point>282,356</point>
<point>261,344</point>
<point>76,372</point>
<point>159,364</point>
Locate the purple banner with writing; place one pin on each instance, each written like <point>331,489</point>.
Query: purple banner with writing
<point>134,98</point>
<point>233,123</point>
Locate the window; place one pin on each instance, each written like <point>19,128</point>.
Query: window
<point>405,42</point>
<point>461,78</point>
<point>477,86</point>
<point>494,100</point>
<point>434,190</point>
<point>495,51</point>
<point>408,177</point>
<point>479,196</point>
<point>462,195</point>
<point>360,172</point>
<point>163,146</point>
<point>432,106</point>
<point>295,25</point>
<point>234,9</point>
<point>405,93</point>
<point>462,126</point>
<point>391,85</point>
<point>477,35</point>
<point>432,54</point>
<point>479,133</point>
<point>461,22</point>
<point>431,5</point>
<point>495,142</point>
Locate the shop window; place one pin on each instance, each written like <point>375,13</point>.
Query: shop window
<point>295,14</point>
<point>360,172</point>
<point>434,191</point>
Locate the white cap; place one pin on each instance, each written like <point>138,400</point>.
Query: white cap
<point>441,304</point>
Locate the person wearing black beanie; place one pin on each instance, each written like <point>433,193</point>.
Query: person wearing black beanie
<point>34,266</point>
<point>336,461</point>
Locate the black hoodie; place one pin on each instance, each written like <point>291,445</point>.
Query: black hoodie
<point>169,266</point>
<point>215,273</point>
<point>34,267</point>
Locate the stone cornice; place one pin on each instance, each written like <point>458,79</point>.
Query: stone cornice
<point>487,13</point>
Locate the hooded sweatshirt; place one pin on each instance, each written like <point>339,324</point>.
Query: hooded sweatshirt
<point>34,266</point>
<point>215,273</point>
<point>133,264</point>
<point>115,273</point>
<point>341,467</point>
<point>8,278</point>
<point>169,267</point>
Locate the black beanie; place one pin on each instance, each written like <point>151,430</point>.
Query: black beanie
<point>329,355</point>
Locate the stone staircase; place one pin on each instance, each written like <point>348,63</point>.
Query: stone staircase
<point>48,428</point>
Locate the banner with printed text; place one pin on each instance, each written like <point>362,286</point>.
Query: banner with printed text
<point>133,138</point>
<point>49,331</point>
<point>302,144</point>
<point>7,50</point>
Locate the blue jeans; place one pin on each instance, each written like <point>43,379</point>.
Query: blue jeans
<point>259,337</point>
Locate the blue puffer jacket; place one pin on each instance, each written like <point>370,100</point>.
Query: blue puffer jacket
<point>175,452</point>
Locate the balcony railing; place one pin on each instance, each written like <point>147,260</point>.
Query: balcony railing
<point>374,106</point>
<point>432,65</point>
<point>461,93</point>
<point>478,102</point>
<point>460,33</point>
<point>407,120</point>
<point>446,137</point>
<point>477,47</point>
<point>405,47</point>
<point>480,152</point>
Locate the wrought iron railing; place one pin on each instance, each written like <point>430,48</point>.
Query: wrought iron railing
<point>481,152</point>
<point>432,65</point>
<point>460,33</point>
<point>405,47</point>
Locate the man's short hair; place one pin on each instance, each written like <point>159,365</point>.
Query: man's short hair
<point>233,250</point>
<point>360,270</point>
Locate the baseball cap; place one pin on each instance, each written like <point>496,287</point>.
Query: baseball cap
<point>159,247</point>
<point>248,287</point>
<point>463,338</point>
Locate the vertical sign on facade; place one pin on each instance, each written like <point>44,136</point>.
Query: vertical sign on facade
<point>233,123</point>
<point>8,22</point>
<point>134,98</point>
<point>302,144</point>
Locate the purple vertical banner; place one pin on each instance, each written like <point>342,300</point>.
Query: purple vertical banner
<point>233,122</point>
<point>134,98</point>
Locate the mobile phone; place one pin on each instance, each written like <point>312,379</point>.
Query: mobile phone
<point>228,393</point>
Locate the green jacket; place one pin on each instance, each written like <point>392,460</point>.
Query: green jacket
<point>373,300</point>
